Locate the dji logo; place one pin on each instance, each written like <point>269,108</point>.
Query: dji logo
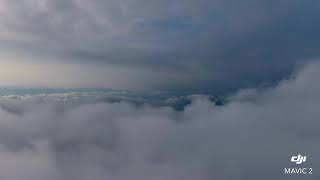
<point>301,170</point>
<point>298,159</point>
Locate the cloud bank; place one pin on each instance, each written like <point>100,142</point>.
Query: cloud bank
<point>251,137</point>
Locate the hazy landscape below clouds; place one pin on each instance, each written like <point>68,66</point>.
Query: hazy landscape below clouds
<point>70,136</point>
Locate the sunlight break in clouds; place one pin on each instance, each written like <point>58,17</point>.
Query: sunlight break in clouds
<point>251,137</point>
<point>75,75</point>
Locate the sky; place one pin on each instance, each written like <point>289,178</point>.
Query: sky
<point>155,45</point>
<point>160,62</point>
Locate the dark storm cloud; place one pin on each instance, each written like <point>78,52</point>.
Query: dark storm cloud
<point>226,41</point>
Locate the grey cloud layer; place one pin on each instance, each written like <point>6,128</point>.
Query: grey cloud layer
<point>226,42</point>
<point>251,137</point>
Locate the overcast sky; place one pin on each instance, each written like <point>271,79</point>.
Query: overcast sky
<point>153,44</point>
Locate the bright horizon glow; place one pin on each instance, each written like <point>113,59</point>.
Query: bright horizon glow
<point>73,75</point>
<point>54,75</point>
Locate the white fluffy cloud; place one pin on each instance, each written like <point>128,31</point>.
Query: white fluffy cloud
<point>251,137</point>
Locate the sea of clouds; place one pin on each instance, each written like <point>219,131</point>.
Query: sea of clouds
<point>76,136</point>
